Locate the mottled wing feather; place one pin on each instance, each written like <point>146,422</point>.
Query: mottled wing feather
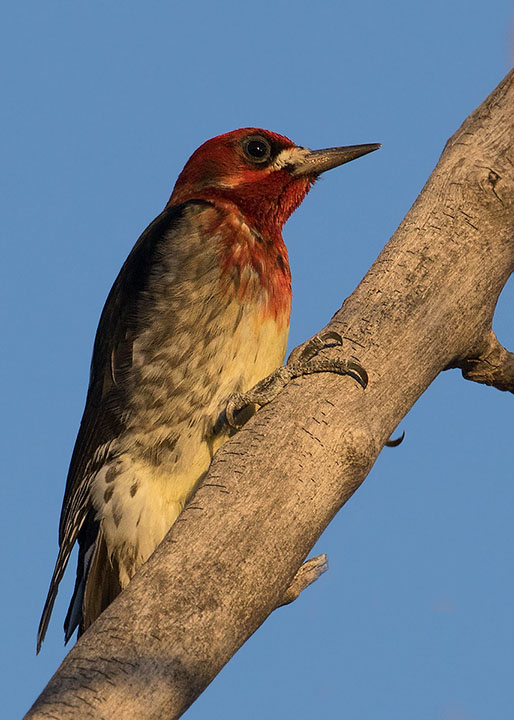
<point>103,418</point>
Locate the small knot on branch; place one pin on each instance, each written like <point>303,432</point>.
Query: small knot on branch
<point>308,573</point>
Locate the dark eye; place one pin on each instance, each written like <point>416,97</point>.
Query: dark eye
<point>257,149</point>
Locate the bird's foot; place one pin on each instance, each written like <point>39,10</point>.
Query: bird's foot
<point>300,362</point>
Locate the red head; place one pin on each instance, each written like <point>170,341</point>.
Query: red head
<point>264,175</point>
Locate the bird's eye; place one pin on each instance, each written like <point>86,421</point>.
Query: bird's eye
<point>257,149</point>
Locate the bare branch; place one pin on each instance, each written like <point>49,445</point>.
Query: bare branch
<point>426,303</point>
<point>494,366</point>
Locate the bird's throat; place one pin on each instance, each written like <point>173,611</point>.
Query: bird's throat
<point>255,269</point>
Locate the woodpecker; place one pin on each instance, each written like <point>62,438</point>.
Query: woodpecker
<point>199,312</point>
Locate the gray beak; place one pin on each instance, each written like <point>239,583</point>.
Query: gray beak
<point>316,162</point>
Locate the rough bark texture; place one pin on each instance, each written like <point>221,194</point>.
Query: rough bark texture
<point>425,305</point>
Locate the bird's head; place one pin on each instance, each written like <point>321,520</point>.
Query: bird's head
<point>264,175</point>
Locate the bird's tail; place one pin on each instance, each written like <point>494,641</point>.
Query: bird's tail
<point>60,567</point>
<point>101,584</point>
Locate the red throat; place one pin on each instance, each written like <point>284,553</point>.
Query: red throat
<point>258,271</point>
<point>269,202</point>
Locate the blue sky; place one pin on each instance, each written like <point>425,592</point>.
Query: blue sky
<point>103,102</point>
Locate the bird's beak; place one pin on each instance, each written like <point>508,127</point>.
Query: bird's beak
<point>315,162</point>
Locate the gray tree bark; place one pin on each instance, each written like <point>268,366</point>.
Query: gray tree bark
<point>426,305</point>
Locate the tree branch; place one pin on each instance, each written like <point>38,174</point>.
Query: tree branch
<point>425,305</point>
<point>494,366</point>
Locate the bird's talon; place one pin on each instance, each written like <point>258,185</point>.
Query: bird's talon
<point>358,373</point>
<point>331,335</point>
<point>235,404</point>
<point>397,441</point>
<point>314,345</point>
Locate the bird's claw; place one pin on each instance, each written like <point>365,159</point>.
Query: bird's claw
<point>314,345</point>
<point>301,362</point>
<point>235,403</point>
<point>262,393</point>
<point>397,441</point>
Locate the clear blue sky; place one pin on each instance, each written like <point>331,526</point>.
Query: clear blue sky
<point>102,103</point>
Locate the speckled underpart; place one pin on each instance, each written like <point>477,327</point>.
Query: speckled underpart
<point>202,340</point>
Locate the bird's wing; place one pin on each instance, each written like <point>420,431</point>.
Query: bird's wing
<point>103,418</point>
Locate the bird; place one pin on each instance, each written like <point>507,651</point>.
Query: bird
<point>199,312</point>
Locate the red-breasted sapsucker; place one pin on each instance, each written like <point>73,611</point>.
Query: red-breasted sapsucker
<point>199,311</point>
